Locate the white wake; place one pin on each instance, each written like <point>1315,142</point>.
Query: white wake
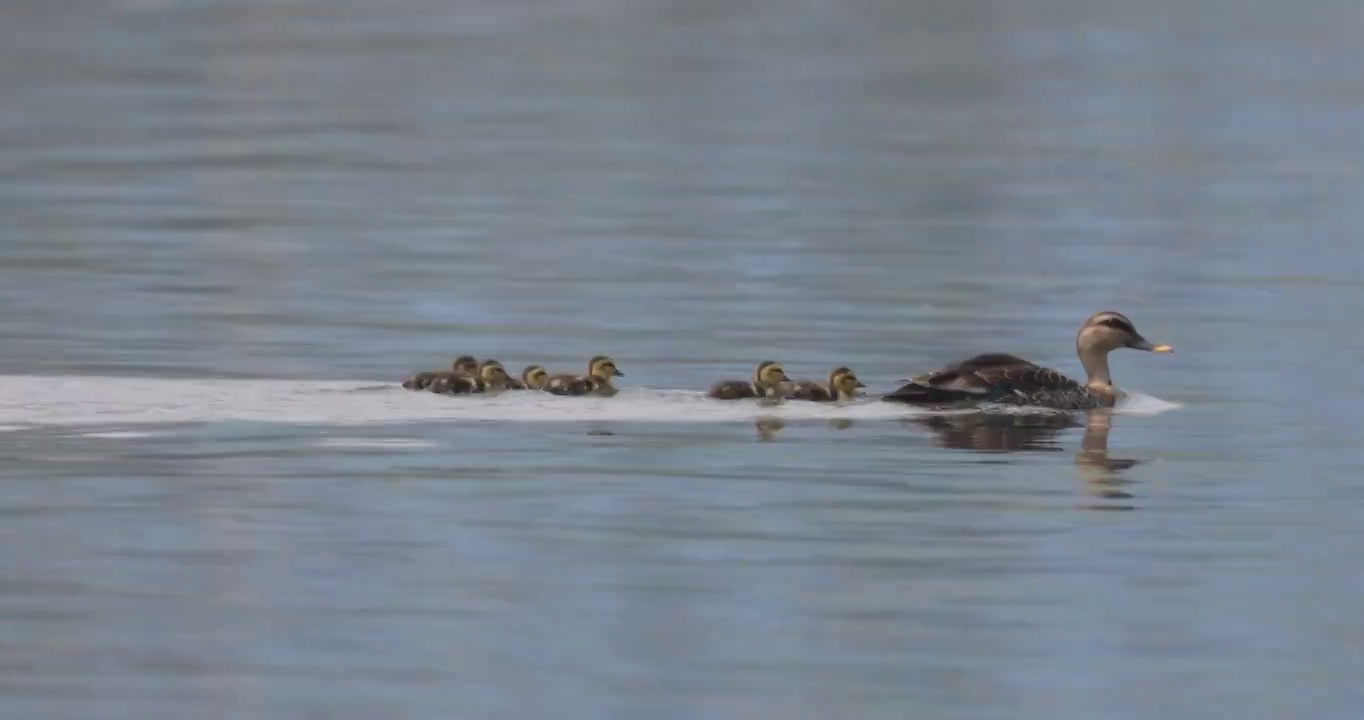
<point>27,401</point>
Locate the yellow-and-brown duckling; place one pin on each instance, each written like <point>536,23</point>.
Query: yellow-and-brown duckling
<point>768,381</point>
<point>842,385</point>
<point>491,376</point>
<point>463,365</point>
<point>597,381</point>
<point>1011,380</point>
<point>495,377</point>
<point>534,377</point>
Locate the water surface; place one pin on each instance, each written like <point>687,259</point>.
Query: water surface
<point>227,227</point>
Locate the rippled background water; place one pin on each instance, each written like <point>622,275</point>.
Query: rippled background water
<point>223,222</point>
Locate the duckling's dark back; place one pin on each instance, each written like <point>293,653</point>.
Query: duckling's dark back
<point>734,390</point>
<point>419,381</point>
<point>570,385</point>
<point>456,384</point>
<point>810,390</point>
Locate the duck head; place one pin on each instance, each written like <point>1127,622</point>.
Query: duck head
<point>844,383</point>
<point>602,367</point>
<point>536,377</point>
<point>1103,333</point>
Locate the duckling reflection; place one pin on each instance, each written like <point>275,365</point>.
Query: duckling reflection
<point>987,432</point>
<point>768,427</point>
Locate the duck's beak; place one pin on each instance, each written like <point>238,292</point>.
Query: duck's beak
<point>618,373</point>
<point>1142,343</point>
<point>860,384</point>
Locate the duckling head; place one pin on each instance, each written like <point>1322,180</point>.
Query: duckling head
<point>493,373</point>
<point>769,374</point>
<point>844,382</point>
<point>603,368</point>
<point>536,377</point>
<point>466,364</point>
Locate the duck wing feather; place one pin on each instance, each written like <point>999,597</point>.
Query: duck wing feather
<point>808,390</point>
<point>997,377</point>
<point>733,390</point>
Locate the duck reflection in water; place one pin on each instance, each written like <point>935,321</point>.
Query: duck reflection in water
<point>1101,472</point>
<point>986,432</point>
<point>997,433</point>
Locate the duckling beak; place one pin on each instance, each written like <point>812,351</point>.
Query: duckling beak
<point>859,384</point>
<point>618,373</point>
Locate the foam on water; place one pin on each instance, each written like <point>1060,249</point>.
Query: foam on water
<point>81,401</point>
<point>375,443</point>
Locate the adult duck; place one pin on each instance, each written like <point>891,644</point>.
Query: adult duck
<point>1010,380</point>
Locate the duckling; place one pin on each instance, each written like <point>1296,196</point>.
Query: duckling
<point>495,377</point>
<point>535,377</point>
<point>768,380</point>
<point>597,381</point>
<point>491,376</point>
<point>842,385</point>
<point>463,365</point>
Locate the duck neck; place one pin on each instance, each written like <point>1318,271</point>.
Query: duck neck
<point>1096,367</point>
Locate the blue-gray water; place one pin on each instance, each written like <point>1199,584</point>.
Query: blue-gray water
<point>222,223</point>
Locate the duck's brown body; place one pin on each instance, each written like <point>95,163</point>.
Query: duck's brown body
<point>999,378</point>
<point>842,385</point>
<point>457,384</point>
<point>597,381</point>
<point>534,377</point>
<point>419,381</point>
<point>1002,379</point>
<point>463,365</point>
<point>495,377</point>
<point>810,390</point>
<point>491,376</point>
<point>767,382</point>
<point>575,385</point>
<point>738,389</point>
